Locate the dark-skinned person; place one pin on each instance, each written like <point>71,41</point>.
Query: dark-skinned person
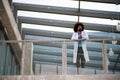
<point>80,53</point>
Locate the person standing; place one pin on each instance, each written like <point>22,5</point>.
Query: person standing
<point>80,54</point>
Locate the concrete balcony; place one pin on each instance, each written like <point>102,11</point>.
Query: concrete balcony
<point>61,77</point>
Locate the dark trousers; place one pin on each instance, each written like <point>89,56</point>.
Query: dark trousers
<point>80,61</point>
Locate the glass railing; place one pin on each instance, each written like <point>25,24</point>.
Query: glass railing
<point>46,57</point>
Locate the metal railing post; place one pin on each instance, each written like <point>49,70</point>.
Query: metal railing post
<point>104,58</point>
<point>64,59</point>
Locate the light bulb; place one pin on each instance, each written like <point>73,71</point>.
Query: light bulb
<point>118,26</point>
<point>114,42</point>
<point>111,53</point>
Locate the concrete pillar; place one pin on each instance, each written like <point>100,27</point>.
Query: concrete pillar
<point>10,2</point>
<point>27,59</point>
<point>10,26</point>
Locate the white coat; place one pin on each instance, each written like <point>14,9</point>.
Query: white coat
<point>75,37</point>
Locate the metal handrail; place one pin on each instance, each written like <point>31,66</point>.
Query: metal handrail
<point>66,40</point>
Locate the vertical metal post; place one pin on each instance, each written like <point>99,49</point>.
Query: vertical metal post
<point>64,59</point>
<point>104,58</point>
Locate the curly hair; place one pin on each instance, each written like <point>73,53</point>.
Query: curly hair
<point>77,25</point>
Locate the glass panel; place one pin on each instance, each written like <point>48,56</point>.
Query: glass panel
<point>99,6</point>
<point>18,69</point>
<point>13,63</point>
<point>47,15</point>
<point>15,67</point>
<point>60,3</point>
<point>9,62</point>
<point>3,59</point>
<point>49,28</point>
<point>1,54</point>
<point>98,20</point>
<point>47,57</point>
<point>113,57</point>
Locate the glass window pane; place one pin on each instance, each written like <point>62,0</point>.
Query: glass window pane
<point>1,55</point>
<point>47,15</point>
<point>15,67</point>
<point>13,63</point>
<point>60,3</point>
<point>49,28</point>
<point>99,6</point>
<point>98,20</point>
<point>7,60</point>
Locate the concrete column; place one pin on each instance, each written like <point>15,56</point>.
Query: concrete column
<point>10,2</point>
<point>27,59</point>
<point>10,26</point>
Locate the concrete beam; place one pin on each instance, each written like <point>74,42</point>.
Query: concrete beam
<point>66,11</point>
<point>10,26</point>
<point>65,35</point>
<point>67,24</point>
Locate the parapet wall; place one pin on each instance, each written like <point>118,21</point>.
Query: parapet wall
<point>62,77</point>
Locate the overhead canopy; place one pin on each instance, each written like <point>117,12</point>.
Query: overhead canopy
<point>44,53</point>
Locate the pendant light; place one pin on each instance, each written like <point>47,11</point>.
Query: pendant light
<point>114,41</point>
<point>111,53</point>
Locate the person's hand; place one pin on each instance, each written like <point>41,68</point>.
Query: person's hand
<point>80,36</point>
